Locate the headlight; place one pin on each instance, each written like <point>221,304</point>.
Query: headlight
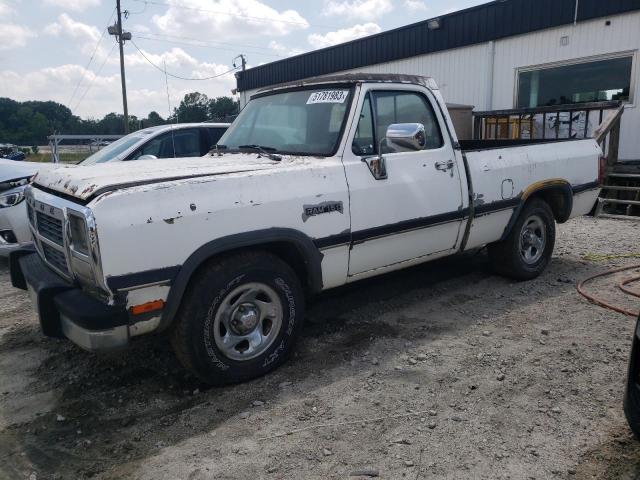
<point>11,199</point>
<point>78,230</point>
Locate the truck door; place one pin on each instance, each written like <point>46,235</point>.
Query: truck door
<point>416,211</point>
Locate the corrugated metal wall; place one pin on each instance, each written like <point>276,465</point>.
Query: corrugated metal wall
<point>464,74</point>
<point>475,25</point>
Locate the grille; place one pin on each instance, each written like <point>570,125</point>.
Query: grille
<point>55,258</point>
<point>50,228</point>
<point>31,214</point>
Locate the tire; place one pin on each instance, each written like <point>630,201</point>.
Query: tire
<point>239,318</point>
<point>632,391</point>
<point>526,251</point>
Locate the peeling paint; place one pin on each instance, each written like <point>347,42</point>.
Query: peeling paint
<point>171,220</point>
<point>478,199</point>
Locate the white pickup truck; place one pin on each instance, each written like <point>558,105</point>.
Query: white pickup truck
<point>316,184</point>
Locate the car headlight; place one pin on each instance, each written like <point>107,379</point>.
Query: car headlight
<point>78,231</point>
<point>11,199</point>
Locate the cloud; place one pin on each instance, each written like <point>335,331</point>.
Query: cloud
<point>416,6</point>
<point>358,9</point>
<point>176,57</point>
<point>283,50</point>
<point>228,19</point>
<point>77,5</point>
<point>14,36</point>
<point>344,35</point>
<point>86,35</point>
<point>6,10</point>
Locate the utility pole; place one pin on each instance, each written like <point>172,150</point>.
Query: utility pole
<point>121,37</point>
<point>243,59</point>
<point>237,75</point>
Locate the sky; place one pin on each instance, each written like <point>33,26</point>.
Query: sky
<point>59,49</point>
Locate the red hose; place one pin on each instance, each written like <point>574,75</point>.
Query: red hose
<point>621,285</point>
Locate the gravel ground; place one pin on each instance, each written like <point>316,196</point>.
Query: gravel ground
<point>441,371</point>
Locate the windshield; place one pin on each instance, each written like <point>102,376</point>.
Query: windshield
<point>303,122</point>
<point>114,149</point>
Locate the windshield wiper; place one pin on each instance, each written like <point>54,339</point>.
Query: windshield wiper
<point>266,151</point>
<point>216,147</point>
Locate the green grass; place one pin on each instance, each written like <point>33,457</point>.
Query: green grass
<point>64,157</point>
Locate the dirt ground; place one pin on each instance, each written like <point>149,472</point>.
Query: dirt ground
<point>441,371</point>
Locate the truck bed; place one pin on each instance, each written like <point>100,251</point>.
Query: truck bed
<point>476,145</point>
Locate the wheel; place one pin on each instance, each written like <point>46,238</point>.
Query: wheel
<point>632,392</point>
<point>239,319</point>
<point>526,251</point>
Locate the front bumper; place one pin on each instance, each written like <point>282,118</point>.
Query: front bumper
<point>65,310</point>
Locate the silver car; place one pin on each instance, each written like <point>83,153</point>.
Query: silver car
<point>163,141</point>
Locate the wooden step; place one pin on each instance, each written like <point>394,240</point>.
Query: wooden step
<point>619,202</point>
<point>621,188</point>
<point>624,175</point>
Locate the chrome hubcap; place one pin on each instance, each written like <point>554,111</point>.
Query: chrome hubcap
<point>247,321</point>
<point>533,238</point>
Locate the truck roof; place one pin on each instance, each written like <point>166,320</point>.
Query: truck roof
<point>358,77</point>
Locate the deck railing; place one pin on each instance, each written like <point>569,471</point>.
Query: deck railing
<point>599,120</point>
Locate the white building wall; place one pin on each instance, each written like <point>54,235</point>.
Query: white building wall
<point>465,75</point>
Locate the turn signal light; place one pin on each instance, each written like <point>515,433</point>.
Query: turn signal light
<point>147,307</point>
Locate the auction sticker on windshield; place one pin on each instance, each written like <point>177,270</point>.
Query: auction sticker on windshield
<point>328,96</point>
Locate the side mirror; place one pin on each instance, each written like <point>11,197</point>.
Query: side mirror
<point>407,135</point>
<point>147,157</point>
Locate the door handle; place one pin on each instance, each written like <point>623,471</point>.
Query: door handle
<point>444,166</point>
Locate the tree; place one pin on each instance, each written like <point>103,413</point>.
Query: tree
<point>222,107</point>
<point>153,119</point>
<point>192,108</point>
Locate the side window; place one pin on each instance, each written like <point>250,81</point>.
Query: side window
<point>405,107</point>
<point>215,134</point>
<point>187,143</point>
<point>364,142</point>
<point>160,147</point>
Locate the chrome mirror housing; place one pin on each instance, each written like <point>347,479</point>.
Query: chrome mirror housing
<point>406,135</point>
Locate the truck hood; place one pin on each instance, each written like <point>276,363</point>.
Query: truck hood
<point>88,181</point>
<point>13,170</point>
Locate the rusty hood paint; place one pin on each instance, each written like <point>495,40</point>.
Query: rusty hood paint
<point>83,182</point>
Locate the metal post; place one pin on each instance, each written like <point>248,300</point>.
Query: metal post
<point>122,76</point>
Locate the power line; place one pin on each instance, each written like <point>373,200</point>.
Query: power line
<point>222,12</point>
<point>178,76</point>
<point>204,42</point>
<point>93,54</point>
<point>205,45</point>
<point>96,76</point>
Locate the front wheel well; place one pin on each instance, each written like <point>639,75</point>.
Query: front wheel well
<point>293,247</point>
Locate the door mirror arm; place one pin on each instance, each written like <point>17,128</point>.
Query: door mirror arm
<point>377,165</point>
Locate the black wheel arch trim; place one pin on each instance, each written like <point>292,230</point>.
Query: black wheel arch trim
<point>305,245</point>
<point>568,190</point>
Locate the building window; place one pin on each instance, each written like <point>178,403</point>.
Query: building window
<point>594,81</point>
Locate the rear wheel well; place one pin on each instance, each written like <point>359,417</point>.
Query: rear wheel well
<point>559,199</point>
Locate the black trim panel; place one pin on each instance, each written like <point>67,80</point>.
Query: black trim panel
<point>486,208</point>
<point>333,240</point>
<point>157,275</point>
<point>584,187</point>
<point>407,225</point>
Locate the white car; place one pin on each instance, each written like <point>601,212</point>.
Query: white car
<point>164,141</point>
<point>317,183</point>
